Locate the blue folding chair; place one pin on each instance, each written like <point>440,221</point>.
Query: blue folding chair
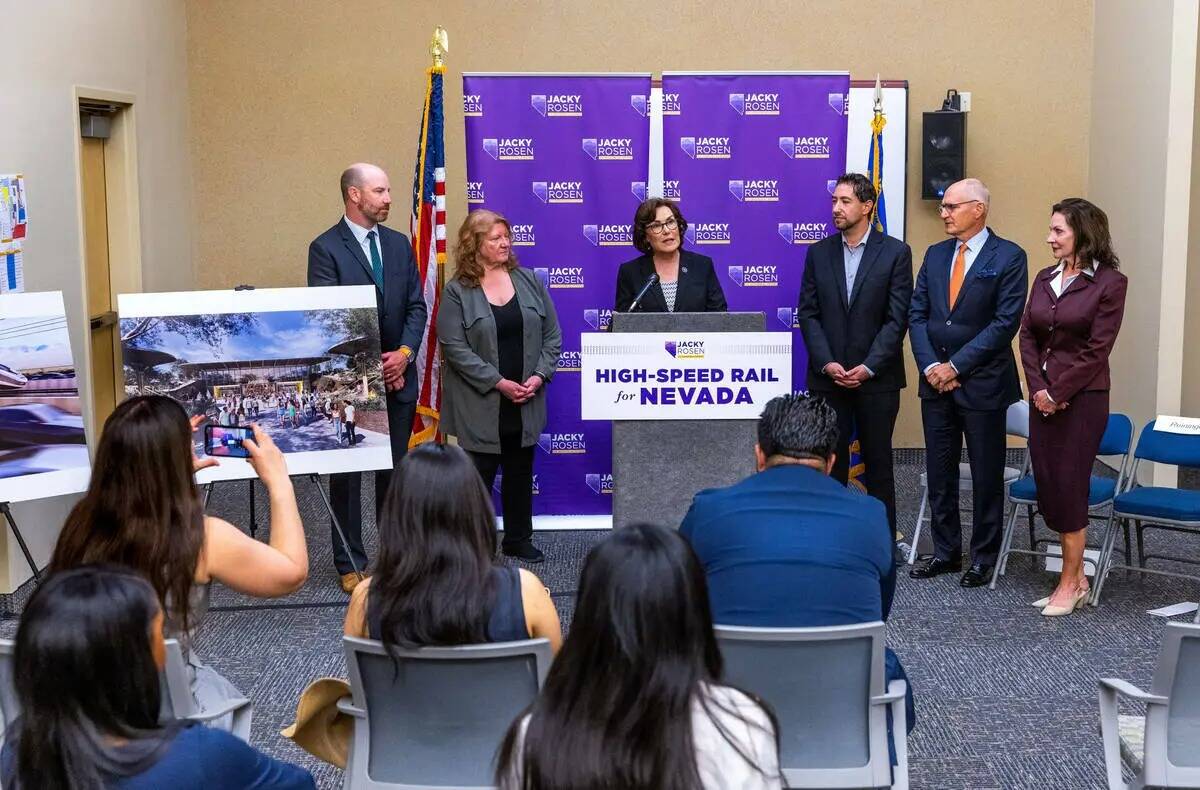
<point>1115,443</point>
<point>1156,507</point>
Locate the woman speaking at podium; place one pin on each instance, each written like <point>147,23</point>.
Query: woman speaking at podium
<point>666,278</point>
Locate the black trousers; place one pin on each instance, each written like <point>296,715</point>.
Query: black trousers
<point>345,490</point>
<point>516,486</point>
<point>946,424</point>
<point>874,415</point>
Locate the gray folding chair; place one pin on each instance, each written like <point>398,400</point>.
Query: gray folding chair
<point>826,686</point>
<point>1016,423</point>
<point>177,702</point>
<point>10,708</point>
<point>1161,749</point>
<point>434,717</point>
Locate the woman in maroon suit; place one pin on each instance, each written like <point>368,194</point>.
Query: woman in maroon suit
<point>1070,325</point>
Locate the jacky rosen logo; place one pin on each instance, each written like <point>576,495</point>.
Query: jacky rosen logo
<point>803,232</point>
<point>569,362</point>
<point>706,147</point>
<point>755,103</point>
<point>609,148</point>
<point>755,276</point>
<point>755,190</point>
<point>557,105</point>
<point>839,102</point>
<point>670,104</point>
<point>509,148</point>
<point>671,191</point>
<point>558,191</point>
<point>601,484</point>
<point>475,192</point>
<point>523,236</point>
<point>708,233</point>
<point>805,147</point>
<point>638,188</point>
<point>473,105</point>
<point>788,316</point>
<point>598,318</point>
<point>562,443</point>
<point>685,349</point>
<point>609,235</point>
<point>831,185</point>
<point>639,103</point>
<point>560,276</point>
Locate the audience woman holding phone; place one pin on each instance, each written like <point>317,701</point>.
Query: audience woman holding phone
<point>436,581</point>
<point>89,651</point>
<point>669,278</point>
<point>500,343</point>
<point>635,698</point>
<point>142,510</point>
<point>1067,334</point>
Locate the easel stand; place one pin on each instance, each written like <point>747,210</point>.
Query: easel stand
<point>12,522</point>
<point>208,489</point>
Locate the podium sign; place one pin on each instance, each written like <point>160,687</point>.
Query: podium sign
<point>683,375</point>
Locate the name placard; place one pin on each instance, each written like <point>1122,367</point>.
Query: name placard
<point>1185,425</point>
<point>683,375</point>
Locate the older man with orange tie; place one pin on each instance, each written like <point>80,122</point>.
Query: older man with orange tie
<point>966,309</point>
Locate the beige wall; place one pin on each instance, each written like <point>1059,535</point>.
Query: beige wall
<point>284,94</point>
<point>1143,94</point>
<point>134,47</point>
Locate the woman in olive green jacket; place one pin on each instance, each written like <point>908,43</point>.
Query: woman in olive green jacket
<point>500,343</point>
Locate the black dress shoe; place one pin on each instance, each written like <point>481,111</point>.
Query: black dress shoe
<point>935,567</point>
<point>976,576</point>
<point>524,551</point>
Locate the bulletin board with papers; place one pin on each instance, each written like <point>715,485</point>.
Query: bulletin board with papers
<point>14,219</point>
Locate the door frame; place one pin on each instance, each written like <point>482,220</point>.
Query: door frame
<point>124,221</point>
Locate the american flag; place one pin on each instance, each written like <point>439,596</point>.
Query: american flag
<point>429,246</point>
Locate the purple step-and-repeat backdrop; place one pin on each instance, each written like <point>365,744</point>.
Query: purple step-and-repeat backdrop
<point>751,158</point>
<point>564,158</point>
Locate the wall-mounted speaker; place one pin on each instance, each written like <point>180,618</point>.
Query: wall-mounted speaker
<point>943,152</point>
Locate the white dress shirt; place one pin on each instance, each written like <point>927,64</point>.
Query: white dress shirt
<point>360,233</point>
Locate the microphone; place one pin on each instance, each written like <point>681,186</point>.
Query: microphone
<point>650,281</point>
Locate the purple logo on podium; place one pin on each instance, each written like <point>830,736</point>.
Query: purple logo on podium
<point>671,346</point>
<point>788,316</point>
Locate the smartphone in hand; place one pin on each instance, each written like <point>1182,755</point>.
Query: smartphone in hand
<point>226,441</point>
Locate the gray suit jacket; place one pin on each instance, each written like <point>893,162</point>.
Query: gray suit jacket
<point>467,333</point>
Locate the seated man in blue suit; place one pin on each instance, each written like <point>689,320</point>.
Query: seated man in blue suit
<point>790,547</point>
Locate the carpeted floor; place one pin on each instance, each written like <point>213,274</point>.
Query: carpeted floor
<point>1005,697</point>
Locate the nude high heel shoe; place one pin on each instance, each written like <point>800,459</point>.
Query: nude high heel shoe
<point>1077,601</point>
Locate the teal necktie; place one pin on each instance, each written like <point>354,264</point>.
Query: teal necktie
<point>376,261</point>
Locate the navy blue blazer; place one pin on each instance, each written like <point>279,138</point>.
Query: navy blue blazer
<point>792,547</point>
<point>336,258</point>
<point>698,291</point>
<point>977,334</point>
<point>865,327</point>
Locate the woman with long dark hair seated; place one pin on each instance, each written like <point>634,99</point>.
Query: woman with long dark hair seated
<point>88,656</point>
<point>142,510</point>
<point>635,700</point>
<point>436,581</point>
